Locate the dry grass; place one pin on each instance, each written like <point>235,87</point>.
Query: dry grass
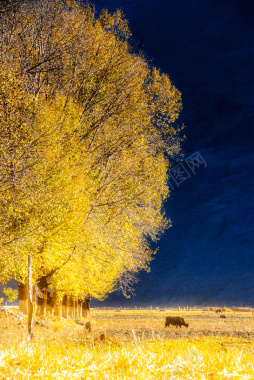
<point>136,346</point>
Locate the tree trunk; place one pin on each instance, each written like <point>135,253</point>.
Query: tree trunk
<point>56,304</point>
<point>71,307</point>
<point>65,307</point>
<point>42,290</point>
<point>34,299</point>
<point>23,297</point>
<point>79,316</point>
<point>30,298</point>
<point>49,307</point>
<point>58,311</point>
<point>42,306</point>
<point>74,309</point>
<point>86,307</point>
<point>42,286</point>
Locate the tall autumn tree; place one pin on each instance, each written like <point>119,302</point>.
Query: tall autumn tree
<point>86,138</point>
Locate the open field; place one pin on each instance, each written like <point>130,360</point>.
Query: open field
<point>130,345</point>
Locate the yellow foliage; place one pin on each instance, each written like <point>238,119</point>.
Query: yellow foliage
<point>85,135</point>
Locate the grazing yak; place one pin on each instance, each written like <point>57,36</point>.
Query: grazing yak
<point>175,321</point>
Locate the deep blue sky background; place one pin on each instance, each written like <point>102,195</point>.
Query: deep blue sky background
<point>206,47</point>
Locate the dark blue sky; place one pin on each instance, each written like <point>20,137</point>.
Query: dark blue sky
<point>206,47</point>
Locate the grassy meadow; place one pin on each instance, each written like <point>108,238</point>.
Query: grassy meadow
<point>130,344</point>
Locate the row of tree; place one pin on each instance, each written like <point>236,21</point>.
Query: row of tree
<point>86,139</point>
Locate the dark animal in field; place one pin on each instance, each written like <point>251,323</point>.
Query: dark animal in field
<point>175,321</point>
<point>88,326</point>
<point>223,316</point>
<point>218,310</point>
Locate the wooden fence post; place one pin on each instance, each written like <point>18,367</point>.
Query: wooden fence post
<point>30,298</point>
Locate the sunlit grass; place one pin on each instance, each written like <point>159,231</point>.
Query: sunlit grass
<point>66,351</point>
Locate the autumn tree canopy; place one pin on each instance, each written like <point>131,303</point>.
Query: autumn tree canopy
<point>86,138</point>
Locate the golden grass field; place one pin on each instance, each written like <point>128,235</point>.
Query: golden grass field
<point>130,345</point>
